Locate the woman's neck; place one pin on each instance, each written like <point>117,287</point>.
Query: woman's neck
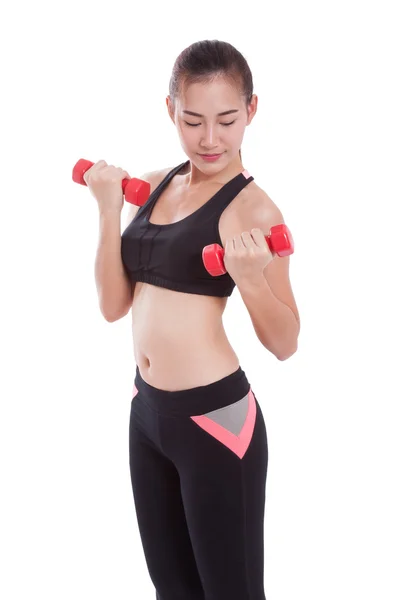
<point>194,177</point>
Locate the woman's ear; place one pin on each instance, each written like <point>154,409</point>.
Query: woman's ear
<point>252,108</point>
<point>170,108</point>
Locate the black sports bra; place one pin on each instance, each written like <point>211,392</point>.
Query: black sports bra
<point>170,255</point>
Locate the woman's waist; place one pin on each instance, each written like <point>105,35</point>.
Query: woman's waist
<point>171,342</point>
<point>178,327</point>
<point>185,367</point>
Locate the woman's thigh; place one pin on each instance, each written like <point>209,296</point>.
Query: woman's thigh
<point>161,517</point>
<point>221,457</point>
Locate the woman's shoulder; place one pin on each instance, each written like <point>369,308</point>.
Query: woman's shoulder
<point>154,178</point>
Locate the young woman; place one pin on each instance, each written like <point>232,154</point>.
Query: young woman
<point>197,438</point>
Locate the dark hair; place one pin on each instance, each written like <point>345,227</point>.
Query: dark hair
<point>205,61</point>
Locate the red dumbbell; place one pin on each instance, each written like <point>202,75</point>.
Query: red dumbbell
<point>136,191</point>
<point>279,241</point>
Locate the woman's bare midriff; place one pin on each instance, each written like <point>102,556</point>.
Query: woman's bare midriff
<point>178,338</point>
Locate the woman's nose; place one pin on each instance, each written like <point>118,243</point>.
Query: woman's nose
<point>210,138</point>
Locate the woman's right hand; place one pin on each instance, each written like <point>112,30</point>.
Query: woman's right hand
<point>105,184</point>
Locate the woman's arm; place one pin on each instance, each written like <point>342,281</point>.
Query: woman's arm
<point>113,285</point>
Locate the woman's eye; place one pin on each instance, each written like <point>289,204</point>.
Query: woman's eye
<point>197,124</point>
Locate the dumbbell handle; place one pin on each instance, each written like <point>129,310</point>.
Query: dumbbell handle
<point>136,191</point>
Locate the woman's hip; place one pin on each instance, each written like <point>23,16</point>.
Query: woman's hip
<point>220,422</point>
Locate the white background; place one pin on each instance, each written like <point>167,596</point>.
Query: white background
<point>89,80</point>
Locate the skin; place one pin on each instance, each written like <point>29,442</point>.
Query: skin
<point>211,137</point>
<point>179,339</point>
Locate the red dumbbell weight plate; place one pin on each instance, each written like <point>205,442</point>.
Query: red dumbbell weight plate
<point>281,240</point>
<point>136,191</point>
<point>213,259</point>
<point>80,169</point>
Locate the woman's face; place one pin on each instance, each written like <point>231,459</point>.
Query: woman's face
<point>208,132</point>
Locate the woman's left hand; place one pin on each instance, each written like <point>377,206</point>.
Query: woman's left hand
<point>247,255</point>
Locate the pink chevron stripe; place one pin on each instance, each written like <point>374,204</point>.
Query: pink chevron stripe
<point>237,443</point>
<point>246,173</point>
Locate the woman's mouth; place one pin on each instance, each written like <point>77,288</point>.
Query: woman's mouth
<point>210,157</point>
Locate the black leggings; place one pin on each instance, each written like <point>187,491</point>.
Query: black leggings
<point>198,463</point>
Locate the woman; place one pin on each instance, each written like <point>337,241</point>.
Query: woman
<point>197,438</point>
